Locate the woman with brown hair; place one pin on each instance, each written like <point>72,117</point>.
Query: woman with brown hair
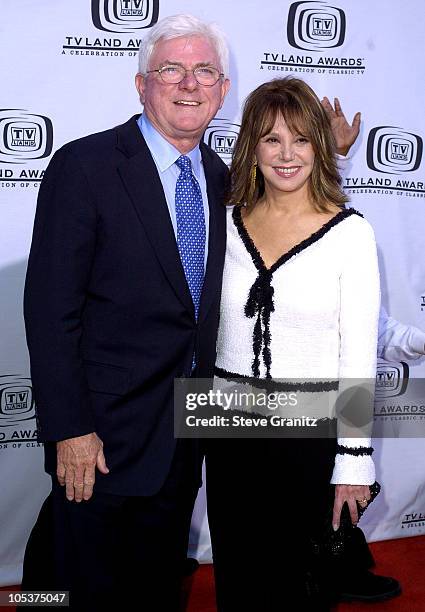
<point>300,300</point>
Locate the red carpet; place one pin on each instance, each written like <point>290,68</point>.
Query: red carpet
<point>403,559</point>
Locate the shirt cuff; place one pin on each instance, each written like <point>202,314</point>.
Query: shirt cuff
<point>353,470</point>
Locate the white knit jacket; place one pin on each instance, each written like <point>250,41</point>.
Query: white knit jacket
<point>324,325</point>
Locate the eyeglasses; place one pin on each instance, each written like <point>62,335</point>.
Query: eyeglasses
<point>204,75</point>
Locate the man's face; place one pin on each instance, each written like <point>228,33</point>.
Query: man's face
<point>181,112</point>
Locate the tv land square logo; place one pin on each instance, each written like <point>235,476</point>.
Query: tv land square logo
<point>395,395</point>
<point>124,15</point>
<point>221,135</point>
<point>24,138</point>
<point>391,379</point>
<point>17,412</point>
<point>314,29</point>
<point>315,26</point>
<point>118,17</point>
<point>393,153</point>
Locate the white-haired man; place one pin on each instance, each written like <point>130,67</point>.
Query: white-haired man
<point>129,243</point>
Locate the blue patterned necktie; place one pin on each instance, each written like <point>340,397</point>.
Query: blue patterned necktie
<point>190,229</point>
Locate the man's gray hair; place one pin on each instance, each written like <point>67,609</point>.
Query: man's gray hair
<point>184,25</point>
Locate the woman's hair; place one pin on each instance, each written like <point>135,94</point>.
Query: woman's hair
<point>294,100</point>
<point>175,26</point>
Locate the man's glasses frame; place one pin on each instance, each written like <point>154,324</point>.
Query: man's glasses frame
<point>173,74</point>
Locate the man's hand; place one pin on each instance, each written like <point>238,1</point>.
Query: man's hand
<point>77,459</point>
<point>345,134</point>
<point>353,495</point>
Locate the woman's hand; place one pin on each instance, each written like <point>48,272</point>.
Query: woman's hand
<point>353,495</point>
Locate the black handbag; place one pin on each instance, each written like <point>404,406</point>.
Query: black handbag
<point>327,552</point>
<point>332,544</point>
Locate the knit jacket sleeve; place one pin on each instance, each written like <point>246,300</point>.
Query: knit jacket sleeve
<point>358,324</point>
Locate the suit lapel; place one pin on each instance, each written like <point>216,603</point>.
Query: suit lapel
<point>141,180</point>
<point>217,234</point>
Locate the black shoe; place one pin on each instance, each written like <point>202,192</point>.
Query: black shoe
<point>368,587</point>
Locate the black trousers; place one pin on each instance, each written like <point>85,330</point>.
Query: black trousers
<point>112,550</point>
<point>266,500</point>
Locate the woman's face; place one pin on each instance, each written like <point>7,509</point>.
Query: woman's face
<point>285,159</point>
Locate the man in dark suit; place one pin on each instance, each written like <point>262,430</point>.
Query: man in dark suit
<point>122,297</point>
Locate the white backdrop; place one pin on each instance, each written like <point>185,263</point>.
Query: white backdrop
<point>67,70</point>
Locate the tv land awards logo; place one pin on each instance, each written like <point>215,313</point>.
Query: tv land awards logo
<point>398,397</point>
<point>17,413</point>
<point>393,153</point>
<point>25,139</point>
<point>16,400</point>
<point>221,135</point>
<point>315,30</point>
<point>123,16</point>
<point>391,379</point>
<point>24,136</point>
<point>315,26</point>
<point>414,520</point>
<point>120,17</point>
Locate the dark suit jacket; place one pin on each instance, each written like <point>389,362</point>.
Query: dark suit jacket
<point>109,317</point>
